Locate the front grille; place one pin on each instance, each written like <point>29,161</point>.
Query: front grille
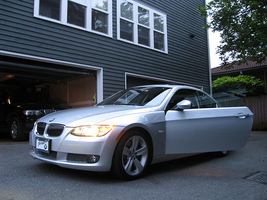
<point>41,128</point>
<point>55,129</point>
<point>51,155</point>
<point>48,111</point>
<point>77,157</point>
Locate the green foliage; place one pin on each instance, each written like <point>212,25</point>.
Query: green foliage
<point>234,85</point>
<point>243,28</point>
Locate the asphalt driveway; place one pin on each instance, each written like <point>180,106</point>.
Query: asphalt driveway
<point>240,175</point>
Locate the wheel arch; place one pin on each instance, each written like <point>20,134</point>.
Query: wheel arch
<point>141,130</point>
<point>123,138</point>
<point>138,128</point>
<point>12,115</point>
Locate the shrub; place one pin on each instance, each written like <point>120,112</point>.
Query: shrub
<point>234,85</point>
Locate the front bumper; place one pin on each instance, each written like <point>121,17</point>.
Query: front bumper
<point>77,152</point>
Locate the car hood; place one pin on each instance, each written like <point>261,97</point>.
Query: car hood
<point>92,115</point>
<point>38,106</point>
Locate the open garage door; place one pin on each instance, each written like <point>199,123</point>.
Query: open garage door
<point>72,85</point>
<point>30,89</point>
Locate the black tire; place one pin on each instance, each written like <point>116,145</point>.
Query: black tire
<point>132,156</point>
<point>16,130</point>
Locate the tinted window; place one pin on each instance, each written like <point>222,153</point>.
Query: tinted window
<point>50,8</point>
<point>76,14</point>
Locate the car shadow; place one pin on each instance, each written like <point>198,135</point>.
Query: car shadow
<point>106,178</point>
<point>182,163</point>
<point>78,175</point>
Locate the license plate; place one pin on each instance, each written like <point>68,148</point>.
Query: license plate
<point>43,145</point>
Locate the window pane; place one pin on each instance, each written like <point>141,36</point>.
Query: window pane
<point>127,10</point>
<point>158,22</point>
<point>143,16</point>
<point>158,41</point>
<point>143,35</point>
<point>206,101</point>
<point>50,8</point>
<point>149,96</point>
<point>126,31</point>
<point>101,4</point>
<point>76,14</point>
<point>183,94</point>
<point>99,21</point>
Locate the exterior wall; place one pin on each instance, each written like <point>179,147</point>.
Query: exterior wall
<point>186,60</point>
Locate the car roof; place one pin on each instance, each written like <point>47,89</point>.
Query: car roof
<point>167,85</point>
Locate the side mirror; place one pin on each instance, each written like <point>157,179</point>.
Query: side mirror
<point>185,104</point>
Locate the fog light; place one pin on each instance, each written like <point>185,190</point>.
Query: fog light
<point>92,159</point>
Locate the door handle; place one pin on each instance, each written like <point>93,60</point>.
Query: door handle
<point>242,115</point>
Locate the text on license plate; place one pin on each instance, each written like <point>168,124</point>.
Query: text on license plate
<point>42,145</point>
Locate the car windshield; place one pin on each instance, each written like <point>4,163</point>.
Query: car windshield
<point>140,96</point>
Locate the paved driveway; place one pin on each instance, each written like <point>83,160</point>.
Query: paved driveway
<point>240,175</point>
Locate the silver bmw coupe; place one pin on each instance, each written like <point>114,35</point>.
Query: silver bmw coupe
<point>137,127</point>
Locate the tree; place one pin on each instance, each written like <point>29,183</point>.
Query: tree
<point>243,28</point>
<point>234,85</point>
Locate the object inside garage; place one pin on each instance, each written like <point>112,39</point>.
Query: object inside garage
<point>54,84</point>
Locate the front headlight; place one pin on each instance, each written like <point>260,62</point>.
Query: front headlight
<point>92,131</point>
<point>33,112</point>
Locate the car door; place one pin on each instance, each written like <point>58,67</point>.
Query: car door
<point>205,127</point>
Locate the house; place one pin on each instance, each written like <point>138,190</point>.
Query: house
<point>82,51</point>
<point>258,70</point>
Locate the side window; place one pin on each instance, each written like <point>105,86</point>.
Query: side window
<point>183,94</point>
<point>206,101</point>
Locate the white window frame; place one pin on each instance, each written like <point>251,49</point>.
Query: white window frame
<point>88,17</point>
<point>135,22</point>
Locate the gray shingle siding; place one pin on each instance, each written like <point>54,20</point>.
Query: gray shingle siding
<point>186,61</point>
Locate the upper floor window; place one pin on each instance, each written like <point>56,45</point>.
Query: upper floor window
<point>141,25</point>
<point>91,15</point>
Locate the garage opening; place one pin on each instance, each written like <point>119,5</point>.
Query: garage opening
<point>30,89</point>
<point>72,86</point>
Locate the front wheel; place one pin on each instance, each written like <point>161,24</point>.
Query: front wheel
<point>16,130</point>
<point>132,156</point>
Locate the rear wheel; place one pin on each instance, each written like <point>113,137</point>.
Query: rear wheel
<point>16,130</point>
<point>132,156</point>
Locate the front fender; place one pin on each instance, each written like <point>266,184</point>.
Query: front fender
<point>153,123</point>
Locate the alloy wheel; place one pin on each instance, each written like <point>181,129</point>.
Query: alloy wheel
<point>134,155</point>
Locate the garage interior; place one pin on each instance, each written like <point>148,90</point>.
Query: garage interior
<point>69,85</point>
